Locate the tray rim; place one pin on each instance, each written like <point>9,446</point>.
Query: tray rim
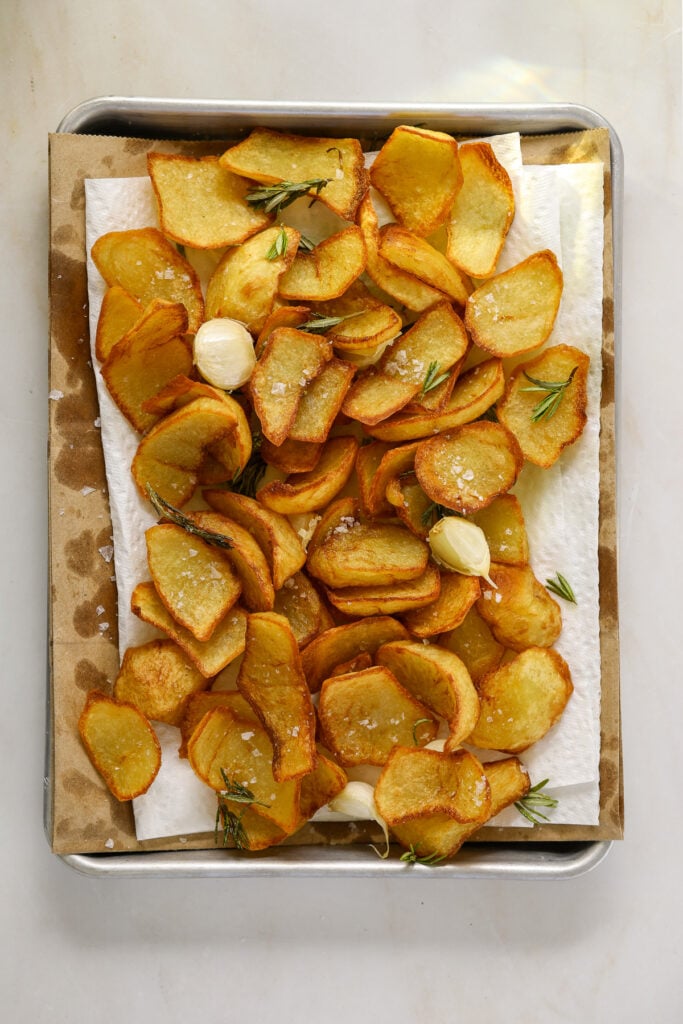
<point>167,117</point>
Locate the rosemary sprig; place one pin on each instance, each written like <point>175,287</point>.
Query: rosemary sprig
<point>273,198</point>
<point>226,819</point>
<point>432,379</point>
<point>434,512</point>
<point>165,510</point>
<point>534,799</point>
<point>554,389</point>
<point>319,324</point>
<point>411,856</point>
<point>247,480</point>
<point>561,587</point>
<point>420,721</point>
<point>305,244</point>
<point>279,246</point>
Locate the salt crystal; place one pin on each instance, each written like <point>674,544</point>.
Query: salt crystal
<point>109,843</point>
<point>55,395</point>
<point>87,490</point>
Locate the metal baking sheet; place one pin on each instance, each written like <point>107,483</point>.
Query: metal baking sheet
<point>211,119</point>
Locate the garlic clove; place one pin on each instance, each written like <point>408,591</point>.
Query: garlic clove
<point>357,801</point>
<point>224,353</point>
<point>460,546</point>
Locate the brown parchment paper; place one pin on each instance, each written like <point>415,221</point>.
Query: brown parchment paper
<point>82,816</point>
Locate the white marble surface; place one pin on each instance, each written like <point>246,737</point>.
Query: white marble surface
<point>605,947</point>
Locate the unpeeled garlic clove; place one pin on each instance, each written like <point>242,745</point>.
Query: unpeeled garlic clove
<point>224,353</point>
<point>461,546</point>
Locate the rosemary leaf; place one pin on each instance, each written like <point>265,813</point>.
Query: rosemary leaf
<point>411,856</point>
<point>247,481</point>
<point>554,393</point>
<point>305,244</point>
<point>434,512</point>
<point>561,587</point>
<point>432,379</point>
<point>529,804</point>
<point>319,324</point>
<point>279,246</point>
<point>226,820</point>
<point>167,511</point>
<point>273,198</point>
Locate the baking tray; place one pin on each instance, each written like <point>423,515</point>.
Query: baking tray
<point>144,117</point>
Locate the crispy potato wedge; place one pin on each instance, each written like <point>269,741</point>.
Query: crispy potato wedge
<point>503,524</point>
<point>368,554</point>
<point>390,599</point>
<point>320,786</point>
<point>466,469</point>
<point>210,657</point>
<point>199,704</point>
<point>393,464</point>
<point>180,391</point>
<point>271,679</point>
<point>418,173</point>
<point>543,437</point>
<point>200,203</point>
<point>300,603</point>
<point>341,644</point>
<point>515,311</point>
<point>290,360</point>
<point>308,492</point>
<point>482,213</point>
<point>366,330</point>
<point>357,664</point>
<point>368,462</point>
<point>118,312</point>
<point>363,715</point>
<point>146,358</point>
<point>340,510</point>
<point>437,678</point>
<point>321,401</point>
<point>246,557</point>
<point>244,285</point>
<point>522,701</point>
<point>328,270</point>
<point>508,781</point>
<point>412,506</point>
<point>291,456</point>
<point>271,157</point>
<point>474,393</point>
<point>457,595</point>
<point>520,612</point>
<point>282,316</point>
<point>474,644</point>
<point>121,745</point>
<point>414,255</point>
<point>273,532</point>
<point>157,678</point>
<point>148,266</point>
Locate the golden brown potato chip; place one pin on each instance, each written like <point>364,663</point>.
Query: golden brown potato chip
<point>121,745</point>
<point>466,469</point>
<point>414,255</point>
<point>210,657</point>
<point>180,391</point>
<point>482,213</point>
<point>363,715</point>
<point>290,360</point>
<point>274,157</point>
<point>436,398</point>
<point>271,679</point>
<point>199,704</point>
<point>474,644</point>
<point>368,462</point>
<point>458,594</point>
<point>357,664</point>
<point>546,420</point>
<point>368,554</point>
<point>515,311</point>
<point>308,492</point>
<point>244,285</point>
<point>321,401</point>
<point>521,701</point>
<point>246,557</point>
<point>320,786</point>
<point>145,359</point>
<point>282,316</point>
<point>328,270</point>
<point>301,604</point>
<point>157,678</point>
<point>503,525</point>
<point>118,312</point>
<point>341,644</point>
<point>366,330</point>
<point>520,611</point>
<point>412,506</point>
<point>291,456</point>
<point>418,172</point>
<point>148,266</point>
<point>200,203</point>
<point>509,782</point>
<point>391,599</point>
<point>424,783</point>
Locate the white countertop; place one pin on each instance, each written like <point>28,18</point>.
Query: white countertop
<point>607,946</point>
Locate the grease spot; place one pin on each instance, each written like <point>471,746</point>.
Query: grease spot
<point>88,676</point>
<point>66,233</point>
<point>88,622</point>
<point>80,553</point>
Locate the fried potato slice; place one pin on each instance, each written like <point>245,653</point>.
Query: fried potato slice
<point>426,783</point>
<point>515,311</point>
<point>430,347</point>
<point>482,213</point>
<point>244,285</point>
<point>457,595</point>
<point>194,580</point>
<point>503,524</point>
<point>368,462</point>
<point>328,270</point>
<point>224,745</point>
<point>368,554</point>
<point>157,678</point>
<point>199,704</point>
<point>180,391</point>
<point>508,780</point>
<point>121,745</point>
<point>148,266</point>
<point>308,492</point>
<point>366,331</point>
<point>118,312</point>
<point>437,678</point>
<point>271,157</point>
<point>543,437</point>
<point>246,557</point>
<point>290,360</point>
<point>291,456</point>
<point>282,316</point>
<point>200,203</point>
<point>363,715</point>
<point>320,786</point>
<point>412,506</point>
<point>418,173</point>
<point>271,679</point>
<point>300,603</point>
<point>414,255</point>
<point>393,463</point>
<point>321,401</point>
<point>145,359</point>
<point>390,599</point>
<point>520,612</point>
<point>522,701</point>
<point>273,532</point>
<point>474,644</point>
<point>211,656</point>
<point>473,394</point>
<point>340,644</point>
<point>170,456</point>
